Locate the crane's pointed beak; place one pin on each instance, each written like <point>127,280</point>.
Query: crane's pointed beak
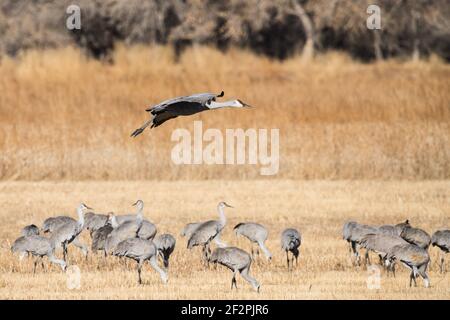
<point>87,207</point>
<point>247,105</point>
<point>134,203</point>
<point>226,204</point>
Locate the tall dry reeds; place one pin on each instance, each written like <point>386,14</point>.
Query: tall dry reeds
<point>64,116</point>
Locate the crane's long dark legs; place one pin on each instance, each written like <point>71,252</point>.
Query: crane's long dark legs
<point>35,263</point>
<point>287,259</point>
<point>139,268</point>
<point>233,280</point>
<point>442,263</point>
<point>64,246</point>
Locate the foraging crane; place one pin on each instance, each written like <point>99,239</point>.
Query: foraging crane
<point>69,231</point>
<point>140,250</point>
<point>290,242</point>
<point>165,244</point>
<point>382,244</point>
<point>353,232</point>
<point>30,230</point>
<point>256,233</point>
<point>126,230</point>
<point>185,106</point>
<point>414,258</point>
<point>441,239</point>
<point>238,261</point>
<point>39,247</point>
<point>207,231</point>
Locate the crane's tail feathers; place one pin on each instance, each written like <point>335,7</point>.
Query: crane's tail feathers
<point>142,128</point>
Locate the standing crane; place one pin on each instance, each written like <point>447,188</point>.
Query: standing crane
<point>207,231</point>
<point>185,106</point>
<point>441,239</point>
<point>126,230</point>
<point>69,231</point>
<point>290,242</point>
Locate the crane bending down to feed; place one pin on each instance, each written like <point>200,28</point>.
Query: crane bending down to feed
<point>94,221</point>
<point>414,258</point>
<point>39,247</point>
<point>237,260</point>
<point>291,241</point>
<point>99,237</point>
<point>165,244</point>
<point>208,231</point>
<point>140,250</point>
<point>256,233</point>
<point>185,106</point>
<point>69,231</point>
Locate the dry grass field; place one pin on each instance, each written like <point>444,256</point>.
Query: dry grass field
<point>63,116</point>
<point>369,142</point>
<point>317,208</point>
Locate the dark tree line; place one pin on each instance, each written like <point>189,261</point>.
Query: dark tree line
<point>279,29</point>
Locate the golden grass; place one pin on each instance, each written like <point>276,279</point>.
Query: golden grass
<point>317,208</point>
<point>63,116</point>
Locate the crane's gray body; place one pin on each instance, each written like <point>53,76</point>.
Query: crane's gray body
<point>189,229</point>
<point>290,242</point>
<point>179,106</point>
<point>353,233</point>
<point>238,261</point>
<point>99,237</point>
<point>256,233</point>
<point>30,230</point>
<point>205,233</point>
<point>94,221</point>
<point>147,231</point>
<point>414,258</point>
<point>416,236</point>
<point>140,250</point>
<point>441,239</point>
<point>126,230</point>
<point>52,223</point>
<point>165,243</point>
<point>37,246</point>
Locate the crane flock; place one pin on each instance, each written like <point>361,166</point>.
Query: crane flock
<point>134,237</point>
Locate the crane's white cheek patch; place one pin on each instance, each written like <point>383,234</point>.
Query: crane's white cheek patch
<point>259,147</point>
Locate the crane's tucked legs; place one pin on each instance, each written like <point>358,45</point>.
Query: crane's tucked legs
<point>442,264</point>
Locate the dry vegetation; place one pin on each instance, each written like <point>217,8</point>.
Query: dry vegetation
<point>317,208</point>
<point>63,116</point>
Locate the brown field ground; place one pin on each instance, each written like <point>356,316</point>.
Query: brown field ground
<point>63,116</point>
<point>317,208</point>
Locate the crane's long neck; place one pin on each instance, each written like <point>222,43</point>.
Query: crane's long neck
<point>139,216</point>
<point>114,222</point>
<point>222,218</point>
<point>218,105</point>
<point>80,217</point>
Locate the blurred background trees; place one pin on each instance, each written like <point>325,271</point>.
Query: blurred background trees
<point>278,29</point>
